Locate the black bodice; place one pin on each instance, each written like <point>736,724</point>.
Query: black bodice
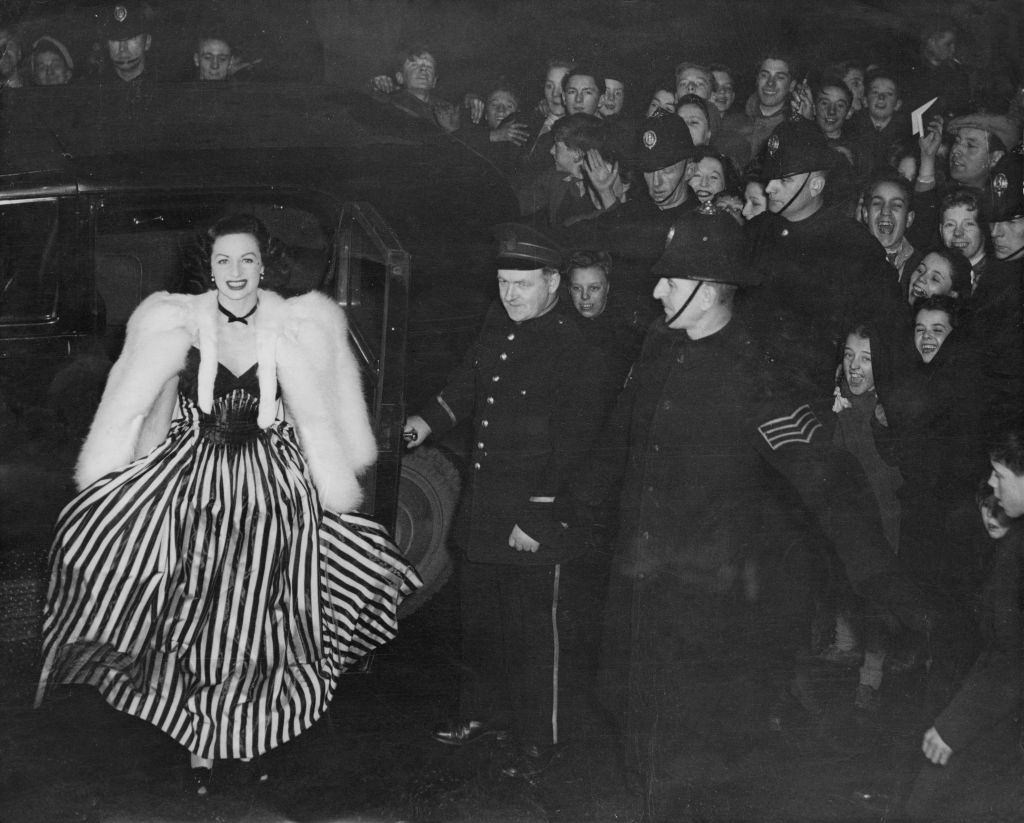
<point>235,402</point>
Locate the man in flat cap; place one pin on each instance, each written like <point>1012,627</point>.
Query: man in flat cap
<point>980,141</point>
<point>704,602</point>
<point>822,270</point>
<point>531,389</point>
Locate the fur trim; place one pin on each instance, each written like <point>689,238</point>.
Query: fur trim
<point>158,337</point>
<point>323,394</point>
<point>303,342</point>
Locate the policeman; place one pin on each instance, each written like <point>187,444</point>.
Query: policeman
<point>126,31</point>
<point>634,232</point>
<point>697,441</point>
<point>531,388</point>
<point>823,272</point>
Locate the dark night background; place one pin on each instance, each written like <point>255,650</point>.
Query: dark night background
<point>372,759</point>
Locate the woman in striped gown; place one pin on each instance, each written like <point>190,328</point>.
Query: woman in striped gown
<point>210,576</point>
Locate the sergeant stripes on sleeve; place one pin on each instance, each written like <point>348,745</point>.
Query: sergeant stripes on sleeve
<point>797,427</point>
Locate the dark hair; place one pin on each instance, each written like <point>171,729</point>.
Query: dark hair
<point>412,51</point>
<point>893,178</point>
<point>700,67</point>
<point>901,149</point>
<point>970,199</point>
<point>960,268</point>
<point>586,259</point>
<point>995,143</point>
<point>733,181</point>
<point>580,132</point>
<point>721,68</point>
<point>694,100</point>
<point>940,302</point>
<point>503,84</point>
<point>983,497</point>
<point>557,62</point>
<point>585,71</point>
<point>1007,447</point>
<point>197,277</point>
<point>782,55</point>
<point>865,331</point>
<point>880,73</point>
<point>834,81</point>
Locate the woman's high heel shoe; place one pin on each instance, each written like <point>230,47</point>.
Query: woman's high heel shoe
<point>200,778</point>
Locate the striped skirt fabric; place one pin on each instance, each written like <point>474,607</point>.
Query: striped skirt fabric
<point>204,589</point>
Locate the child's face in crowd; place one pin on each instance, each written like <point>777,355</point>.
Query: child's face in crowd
<point>931,328</point>
<point>995,522</point>
<point>857,369</point>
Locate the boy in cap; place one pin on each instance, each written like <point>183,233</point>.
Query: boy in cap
<point>50,62</point>
<point>531,388</point>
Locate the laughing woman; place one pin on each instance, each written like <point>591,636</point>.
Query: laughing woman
<point>211,577</point>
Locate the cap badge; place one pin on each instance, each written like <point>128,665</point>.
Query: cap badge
<point>773,145</point>
<point>650,139</point>
<point>120,14</point>
<point>1000,183</point>
<point>509,242</point>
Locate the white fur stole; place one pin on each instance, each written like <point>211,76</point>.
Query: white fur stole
<point>303,342</point>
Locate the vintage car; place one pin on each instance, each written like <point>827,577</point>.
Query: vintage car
<point>101,200</point>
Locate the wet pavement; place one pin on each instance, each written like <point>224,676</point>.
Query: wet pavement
<point>371,758</point>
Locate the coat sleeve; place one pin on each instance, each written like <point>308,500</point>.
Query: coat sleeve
<point>991,693</point>
<point>833,488</point>
<point>323,393</point>
<point>457,400</point>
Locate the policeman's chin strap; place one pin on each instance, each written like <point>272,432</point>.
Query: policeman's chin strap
<point>689,300</point>
<point>672,193</point>
<point>796,194</point>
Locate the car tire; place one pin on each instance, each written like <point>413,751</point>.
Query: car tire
<point>428,494</point>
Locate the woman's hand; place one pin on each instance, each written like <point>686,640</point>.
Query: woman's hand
<point>935,748</point>
<point>929,143</point>
<point>801,100</point>
<point>383,84</point>
<point>603,176</point>
<point>513,132</point>
<point>474,104</point>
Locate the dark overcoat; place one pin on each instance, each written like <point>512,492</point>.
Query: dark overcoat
<point>534,392</point>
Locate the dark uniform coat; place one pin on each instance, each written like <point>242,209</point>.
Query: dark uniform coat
<point>701,433</point>
<point>822,275</point>
<point>533,390</point>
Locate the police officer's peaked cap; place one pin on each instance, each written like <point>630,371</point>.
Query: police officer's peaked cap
<point>523,247</point>
<point>661,142</point>
<point>1005,128</point>
<point>1006,189</point>
<point>707,245</point>
<point>794,147</point>
<point>124,20</point>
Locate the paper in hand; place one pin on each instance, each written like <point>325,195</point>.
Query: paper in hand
<point>917,118</point>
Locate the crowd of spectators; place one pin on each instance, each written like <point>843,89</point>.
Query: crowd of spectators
<point>891,257</point>
<point>891,260</point>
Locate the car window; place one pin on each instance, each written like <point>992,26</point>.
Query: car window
<point>143,246</point>
<point>28,271</point>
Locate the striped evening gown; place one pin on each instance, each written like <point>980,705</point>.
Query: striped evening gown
<point>203,589</point>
